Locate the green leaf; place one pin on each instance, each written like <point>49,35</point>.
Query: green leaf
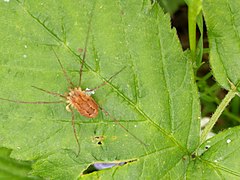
<point>154,97</point>
<point>222,20</point>
<point>218,157</point>
<point>13,169</point>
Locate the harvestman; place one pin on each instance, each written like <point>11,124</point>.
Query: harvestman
<point>77,98</point>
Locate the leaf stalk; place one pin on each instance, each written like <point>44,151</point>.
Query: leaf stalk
<point>218,112</point>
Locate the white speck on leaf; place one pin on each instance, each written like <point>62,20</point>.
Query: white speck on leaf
<point>218,159</point>
<point>135,125</point>
<point>24,56</point>
<point>25,46</point>
<point>89,92</point>
<point>6,0</point>
<point>229,140</point>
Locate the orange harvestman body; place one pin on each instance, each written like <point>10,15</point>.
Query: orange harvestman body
<point>77,98</point>
<point>82,102</point>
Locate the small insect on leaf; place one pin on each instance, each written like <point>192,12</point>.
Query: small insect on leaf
<point>77,98</point>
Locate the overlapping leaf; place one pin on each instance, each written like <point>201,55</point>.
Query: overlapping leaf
<point>222,20</point>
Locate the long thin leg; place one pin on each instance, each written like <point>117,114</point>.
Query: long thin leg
<point>32,102</point>
<point>117,122</point>
<point>63,70</point>
<point>74,131</point>
<point>85,47</point>
<point>81,67</point>
<point>38,102</point>
<point>49,92</point>
<point>105,82</point>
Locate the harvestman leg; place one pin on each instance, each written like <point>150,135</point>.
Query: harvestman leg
<point>34,102</point>
<point>63,70</point>
<point>117,122</point>
<point>74,128</point>
<point>105,82</point>
<point>85,51</point>
<point>49,92</point>
<point>38,102</point>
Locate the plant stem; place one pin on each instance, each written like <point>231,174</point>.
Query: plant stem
<point>217,113</point>
<point>192,30</point>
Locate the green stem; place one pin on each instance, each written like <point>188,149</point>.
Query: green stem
<point>192,30</point>
<point>217,113</point>
<point>194,9</point>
